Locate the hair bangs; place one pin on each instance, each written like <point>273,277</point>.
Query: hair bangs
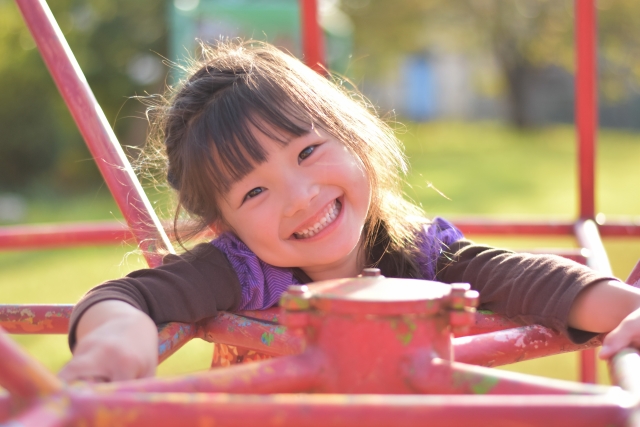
<point>231,148</point>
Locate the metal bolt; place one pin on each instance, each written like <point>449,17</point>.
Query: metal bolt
<point>371,272</point>
<point>471,299</point>
<point>296,298</point>
<point>457,296</point>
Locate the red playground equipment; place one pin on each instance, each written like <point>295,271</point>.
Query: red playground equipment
<point>366,351</point>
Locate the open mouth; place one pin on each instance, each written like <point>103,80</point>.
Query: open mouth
<point>328,216</point>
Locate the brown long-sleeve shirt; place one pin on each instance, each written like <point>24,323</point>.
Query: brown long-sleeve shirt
<point>526,288</point>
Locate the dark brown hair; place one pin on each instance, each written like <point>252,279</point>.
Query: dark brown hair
<point>205,131</point>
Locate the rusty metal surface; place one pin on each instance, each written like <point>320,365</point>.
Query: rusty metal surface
<point>353,353</point>
<point>288,374</point>
<point>486,321</point>
<point>515,345</point>
<point>172,336</point>
<point>35,318</point>
<point>437,376</point>
<point>266,337</point>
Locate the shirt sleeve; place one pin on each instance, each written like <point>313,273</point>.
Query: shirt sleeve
<point>186,288</point>
<point>527,288</point>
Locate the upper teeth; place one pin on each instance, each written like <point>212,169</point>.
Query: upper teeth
<point>329,215</point>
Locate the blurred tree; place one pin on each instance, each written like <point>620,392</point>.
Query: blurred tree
<point>118,44</point>
<point>524,36</point>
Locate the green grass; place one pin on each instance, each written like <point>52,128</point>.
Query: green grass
<point>482,168</point>
<point>487,168</point>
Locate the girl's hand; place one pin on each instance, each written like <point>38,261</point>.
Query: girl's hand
<point>626,334</point>
<point>115,341</point>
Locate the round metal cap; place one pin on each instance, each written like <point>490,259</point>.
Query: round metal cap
<point>374,295</point>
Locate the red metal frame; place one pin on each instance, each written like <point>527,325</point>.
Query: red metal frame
<point>419,362</point>
<point>95,129</point>
<point>312,36</point>
<point>586,103</point>
<point>403,347</point>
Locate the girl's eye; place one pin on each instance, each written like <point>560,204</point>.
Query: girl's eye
<point>306,152</point>
<point>253,193</point>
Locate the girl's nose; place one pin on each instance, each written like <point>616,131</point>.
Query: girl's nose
<point>299,194</point>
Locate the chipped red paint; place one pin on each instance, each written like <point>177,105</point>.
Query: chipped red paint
<point>35,318</point>
<point>438,376</point>
<point>363,336</point>
<point>486,321</point>
<point>172,336</point>
<point>265,337</point>
<point>347,346</point>
<point>515,345</point>
<point>288,374</point>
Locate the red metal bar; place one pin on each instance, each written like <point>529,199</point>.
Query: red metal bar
<point>267,338</point>
<point>486,321</point>
<point>55,412</point>
<point>586,102</point>
<point>589,238</point>
<point>634,276</point>
<point>303,410</point>
<point>7,407</point>
<point>267,315</point>
<point>288,374</point>
<point>625,370</point>
<point>21,375</point>
<point>172,336</point>
<point>438,376</point>
<point>41,236</point>
<point>514,345</point>
<point>495,227</point>
<point>95,129</point>
<point>35,318</point>
<point>312,36</point>
<point>620,229</point>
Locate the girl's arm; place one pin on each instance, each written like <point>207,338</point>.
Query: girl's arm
<point>609,306</point>
<point>113,331</point>
<point>114,341</point>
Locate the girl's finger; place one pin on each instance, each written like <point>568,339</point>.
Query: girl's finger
<point>615,341</point>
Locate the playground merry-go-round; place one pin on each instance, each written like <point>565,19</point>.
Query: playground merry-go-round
<point>366,351</point>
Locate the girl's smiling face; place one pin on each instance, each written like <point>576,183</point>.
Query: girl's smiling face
<point>305,206</point>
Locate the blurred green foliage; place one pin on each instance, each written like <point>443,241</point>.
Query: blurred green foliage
<point>522,36</point>
<point>118,44</point>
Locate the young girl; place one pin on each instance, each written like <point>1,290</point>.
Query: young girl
<point>302,183</point>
